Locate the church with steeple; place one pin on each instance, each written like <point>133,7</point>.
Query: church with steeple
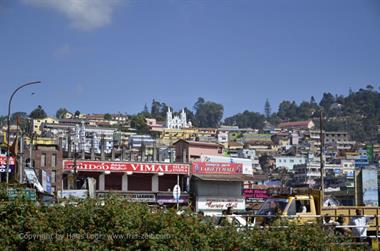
<point>176,122</point>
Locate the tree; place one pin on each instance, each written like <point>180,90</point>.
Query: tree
<point>146,111</point>
<point>287,110</point>
<point>327,100</point>
<point>61,112</point>
<point>107,116</point>
<point>189,115</point>
<point>77,114</point>
<point>38,113</point>
<point>138,122</point>
<point>267,109</point>
<point>207,114</point>
<point>246,119</point>
<point>155,109</point>
<point>369,87</point>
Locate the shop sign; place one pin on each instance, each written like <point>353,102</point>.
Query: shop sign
<point>255,194</point>
<point>219,203</point>
<point>101,166</point>
<point>167,199</point>
<point>26,193</point>
<point>3,164</point>
<point>141,197</point>
<point>81,194</point>
<point>217,168</point>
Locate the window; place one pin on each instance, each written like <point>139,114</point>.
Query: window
<point>53,177</point>
<point>291,161</point>
<point>43,159</point>
<point>303,206</point>
<point>53,160</point>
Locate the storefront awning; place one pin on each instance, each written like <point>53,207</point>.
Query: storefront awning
<point>224,177</point>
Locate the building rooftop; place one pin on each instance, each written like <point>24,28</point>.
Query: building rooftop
<point>295,123</point>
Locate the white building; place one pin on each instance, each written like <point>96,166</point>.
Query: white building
<point>176,122</point>
<point>288,162</point>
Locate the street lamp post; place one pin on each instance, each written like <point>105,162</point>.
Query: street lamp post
<point>8,122</point>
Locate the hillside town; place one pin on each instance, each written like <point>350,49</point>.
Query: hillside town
<point>92,155</point>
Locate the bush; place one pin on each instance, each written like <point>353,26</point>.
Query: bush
<point>119,225</point>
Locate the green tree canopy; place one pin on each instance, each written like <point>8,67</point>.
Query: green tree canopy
<point>107,116</point>
<point>207,113</point>
<point>246,119</point>
<point>267,109</point>
<point>61,112</point>
<point>38,113</point>
<point>138,122</point>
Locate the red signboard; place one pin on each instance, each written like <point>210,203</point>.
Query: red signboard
<point>99,166</point>
<point>3,160</point>
<point>255,194</point>
<point>217,168</point>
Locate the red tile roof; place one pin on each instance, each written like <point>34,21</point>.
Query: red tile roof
<point>295,124</point>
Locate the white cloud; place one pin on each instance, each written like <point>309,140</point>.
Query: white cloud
<point>83,14</point>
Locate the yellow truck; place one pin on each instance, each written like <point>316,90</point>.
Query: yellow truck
<point>305,206</point>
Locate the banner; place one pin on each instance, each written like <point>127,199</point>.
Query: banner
<point>100,166</point>
<point>3,164</point>
<point>217,168</point>
<point>204,203</point>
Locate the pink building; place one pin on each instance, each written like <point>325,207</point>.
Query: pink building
<point>192,150</point>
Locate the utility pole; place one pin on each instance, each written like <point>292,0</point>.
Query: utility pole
<point>321,137</point>
<point>8,124</point>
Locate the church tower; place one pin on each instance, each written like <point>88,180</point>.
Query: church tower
<point>169,118</point>
<point>183,118</point>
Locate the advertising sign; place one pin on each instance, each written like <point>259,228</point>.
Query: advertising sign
<point>205,203</point>
<point>3,164</point>
<point>167,199</point>
<point>176,192</point>
<point>100,166</point>
<point>247,163</point>
<point>46,182</point>
<point>32,179</point>
<point>217,168</point>
<point>141,197</point>
<point>81,194</point>
<point>369,187</point>
<point>255,193</point>
<point>27,193</point>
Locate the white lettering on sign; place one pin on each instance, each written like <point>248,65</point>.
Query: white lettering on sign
<point>127,167</point>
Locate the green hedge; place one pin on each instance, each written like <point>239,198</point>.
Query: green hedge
<point>118,225</point>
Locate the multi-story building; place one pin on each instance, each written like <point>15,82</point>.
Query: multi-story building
<point>38,124</point>
<point>288,162</point>
<point>332,137</point>
<point>193,150</point>
<point>307,174</point>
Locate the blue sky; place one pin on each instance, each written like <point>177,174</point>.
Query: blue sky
<point>114,56</point>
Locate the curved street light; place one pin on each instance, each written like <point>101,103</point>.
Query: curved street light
<point>8,122</point>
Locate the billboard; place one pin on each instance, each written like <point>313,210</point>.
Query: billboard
<point>3,164</point>
<point>216,168</point>
<point>101,166</point>
<point>369,187</point>
<point>247,163</point>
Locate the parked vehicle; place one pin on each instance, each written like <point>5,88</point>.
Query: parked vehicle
<point>305,206</point>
